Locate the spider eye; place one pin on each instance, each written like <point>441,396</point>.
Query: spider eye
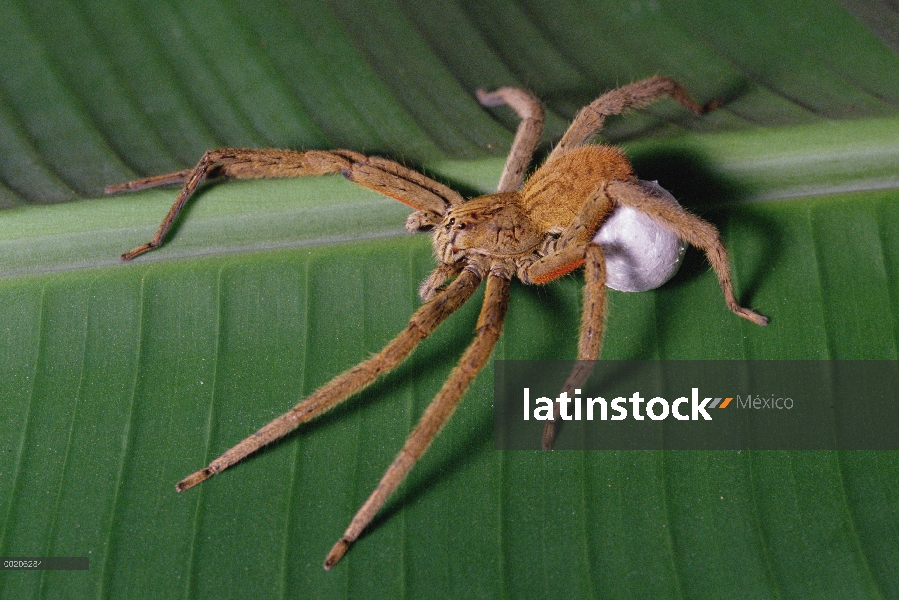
<point>460,226</point>
<point>452,220</point>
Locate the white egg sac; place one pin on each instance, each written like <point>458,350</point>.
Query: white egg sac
<point>641,254</point>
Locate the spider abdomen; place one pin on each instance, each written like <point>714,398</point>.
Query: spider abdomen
<point>554,194</point>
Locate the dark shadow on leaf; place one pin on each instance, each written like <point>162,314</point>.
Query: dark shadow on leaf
<point>689,178</point>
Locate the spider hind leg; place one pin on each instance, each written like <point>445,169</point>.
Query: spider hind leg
<point>691,229</point>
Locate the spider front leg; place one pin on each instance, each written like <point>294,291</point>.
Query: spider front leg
<point>489,326</point>
<point>437,278</point>
<point>381,175</point>
<point>422,323</point>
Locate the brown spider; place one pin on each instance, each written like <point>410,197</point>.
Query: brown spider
<point>537,231</point>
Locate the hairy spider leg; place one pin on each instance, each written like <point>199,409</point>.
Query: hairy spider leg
<point>593,318</point>
<point>593,314</point>
<point>425,320</point>
<point>179,177</point>
<point>639,94</point>
<point>528,107</point>
<point>574,248</point>
<point>691,229</point>
<point>381,175</point>
<point>489,326</point>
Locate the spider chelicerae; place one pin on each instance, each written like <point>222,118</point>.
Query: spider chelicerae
<point>536,230</point>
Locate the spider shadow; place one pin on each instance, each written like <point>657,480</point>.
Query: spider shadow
<point>189,207</point>
<point>474,442</point>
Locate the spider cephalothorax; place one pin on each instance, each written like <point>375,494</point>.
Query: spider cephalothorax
<point>495,225</point>
<point>537,231</point>
<point>520,227</point>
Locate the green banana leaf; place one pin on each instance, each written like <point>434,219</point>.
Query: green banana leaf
<point>117,380</point>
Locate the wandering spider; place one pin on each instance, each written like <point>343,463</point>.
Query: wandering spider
<point>537,230</point>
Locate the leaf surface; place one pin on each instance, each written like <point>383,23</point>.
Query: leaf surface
<point>118,380</point>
